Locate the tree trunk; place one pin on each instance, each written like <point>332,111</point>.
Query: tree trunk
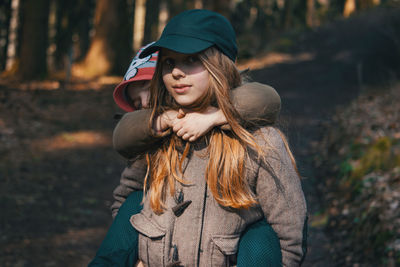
<point>310,15</point>
<point>287,16</point>
<point>140,14</point>
<point>32,63</point>
<point>131,16</point>
<point>176,6</point>
<point>5,17</point>
<point>224,7</point>
<point>151,21</point>
<point>110,49</point>
<point>198,4</point>
<point>163,17</point>
<point>63,32</point>
<point>83,28</point>
<point>69,26</point>
<point>349,8</point>
<point>12,45</point>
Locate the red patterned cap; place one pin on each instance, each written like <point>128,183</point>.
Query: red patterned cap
<point>140,69</point>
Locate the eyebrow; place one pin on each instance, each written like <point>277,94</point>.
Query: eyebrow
<point>166,52</point>
<point>171,53</point>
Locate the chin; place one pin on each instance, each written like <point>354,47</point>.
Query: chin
<point>184,102</point>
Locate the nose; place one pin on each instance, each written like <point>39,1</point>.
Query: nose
<point>144,98</point>
<point>145,102</point>
<point>178,72</point>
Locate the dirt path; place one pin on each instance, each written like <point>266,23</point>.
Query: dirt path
<point>310,91</point>
<point>307,101</point>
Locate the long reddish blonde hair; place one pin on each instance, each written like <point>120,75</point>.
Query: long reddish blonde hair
<point>225,172</point>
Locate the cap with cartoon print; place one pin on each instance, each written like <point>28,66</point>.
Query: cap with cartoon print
<point>140,69</point>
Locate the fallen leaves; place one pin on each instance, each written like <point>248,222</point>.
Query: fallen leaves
<point>360,155</point>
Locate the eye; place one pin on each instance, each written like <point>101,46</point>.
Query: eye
<point>169,62</point>
<point>192,59</point>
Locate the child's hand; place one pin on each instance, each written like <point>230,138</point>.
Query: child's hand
<point>165,121</point>
<point>192,125</point>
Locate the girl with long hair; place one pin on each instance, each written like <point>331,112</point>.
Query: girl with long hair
<point>258,103</point>
<point>200,197</point>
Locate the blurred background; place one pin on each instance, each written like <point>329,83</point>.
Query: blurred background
<point>335,63</point>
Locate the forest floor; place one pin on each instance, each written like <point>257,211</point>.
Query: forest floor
<point>58,168</point>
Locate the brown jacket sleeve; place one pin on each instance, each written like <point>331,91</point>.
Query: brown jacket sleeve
<point>132,135</point>
<point>281,197</point>
<point>132,179</point>
<point>257,104</point>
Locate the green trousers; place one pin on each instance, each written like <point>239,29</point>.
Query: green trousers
<point>258,246</point>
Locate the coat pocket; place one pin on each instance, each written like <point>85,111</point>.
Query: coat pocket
<point>224,249</point>
<point>151,240</point>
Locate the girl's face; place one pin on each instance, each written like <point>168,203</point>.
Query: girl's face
<point>184,76</point>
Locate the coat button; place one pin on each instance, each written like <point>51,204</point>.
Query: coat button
<point>179,197</point>
<point>175,258</point>
<point>180,208</point>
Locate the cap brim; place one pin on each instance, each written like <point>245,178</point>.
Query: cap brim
<point>119,94</point>
<point>178,43</point>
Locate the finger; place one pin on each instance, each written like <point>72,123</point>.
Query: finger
<point>192,138</point>
<point>181,114</point>
<point>185,110</point>
<point>186,136</point>
<point>181,132</point>
<point>176,127</point>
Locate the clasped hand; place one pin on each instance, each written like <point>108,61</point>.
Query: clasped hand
<point>191,125</point>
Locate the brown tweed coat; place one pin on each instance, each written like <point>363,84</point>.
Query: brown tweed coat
<point>203,233</point>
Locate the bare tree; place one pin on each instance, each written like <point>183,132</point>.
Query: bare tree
<point>12,40</point>
<point>32,63</point>
<point>349,8</point>
<point>69,30</point>
<point>110,48</point>
<point>287,15</point>
<point>310,13</point>
<point>5,15</point>
<point>138,32</point>
<point>223,7</point>
<point>151,21</point>
<point>177,6</point>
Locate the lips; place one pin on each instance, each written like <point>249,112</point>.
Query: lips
<point>181,88</point>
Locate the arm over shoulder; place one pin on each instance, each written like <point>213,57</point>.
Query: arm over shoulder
<point>257,103</point>
<point>132,135</point>
<point>281,197</point>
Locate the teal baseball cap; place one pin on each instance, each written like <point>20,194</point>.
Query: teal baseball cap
<point>195,30</point>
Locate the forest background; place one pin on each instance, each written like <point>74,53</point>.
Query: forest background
<point>60,61</point>
<point>63,39</point>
